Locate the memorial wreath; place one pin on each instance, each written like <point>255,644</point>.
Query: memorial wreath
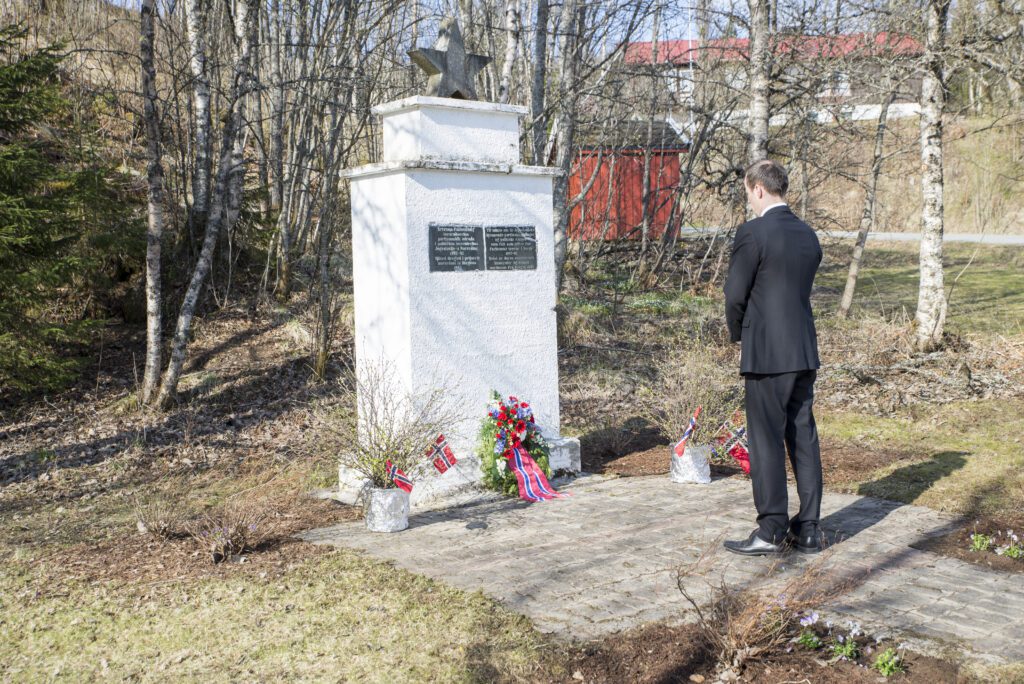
<point>513,453</point>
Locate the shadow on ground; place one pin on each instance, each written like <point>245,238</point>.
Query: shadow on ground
<point>909,481</point>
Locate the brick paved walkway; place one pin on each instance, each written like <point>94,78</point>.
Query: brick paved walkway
<point>606,559</point>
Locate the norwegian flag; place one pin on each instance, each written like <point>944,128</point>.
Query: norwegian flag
<point>444,458</point>
<point>400,479</point>
<point>732,440</point>
<point>680,447</point>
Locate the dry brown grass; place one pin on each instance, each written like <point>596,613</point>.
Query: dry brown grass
<point>870,362</point>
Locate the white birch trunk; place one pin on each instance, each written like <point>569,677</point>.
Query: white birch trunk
<point>277,108</point>
<point>645,182</point>
<point>931,300</point>
<point>511,49</point>
<point>565,129</point>
<point>758,76</point>
<point>155,205</point>
<point>540,57</point>
<point>196,22</point>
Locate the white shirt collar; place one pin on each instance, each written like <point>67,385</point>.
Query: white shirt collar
<point>777,204</point>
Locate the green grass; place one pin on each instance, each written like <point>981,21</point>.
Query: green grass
<point>987,298</point>
<point>338,617</point>
<point>974,454</point>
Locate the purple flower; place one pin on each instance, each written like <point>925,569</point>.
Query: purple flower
<point>809,620</point>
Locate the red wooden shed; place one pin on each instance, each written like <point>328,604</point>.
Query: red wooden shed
<point>613,206</point>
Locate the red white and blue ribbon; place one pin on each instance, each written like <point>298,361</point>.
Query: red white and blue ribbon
<point>400,479</point>
<point>533,485</point>
<point>680,446</point>
<point>444,458</point>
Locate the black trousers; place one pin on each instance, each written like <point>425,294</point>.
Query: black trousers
<point>780,419</point>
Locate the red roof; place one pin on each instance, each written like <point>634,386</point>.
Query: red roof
<point>803,47</point>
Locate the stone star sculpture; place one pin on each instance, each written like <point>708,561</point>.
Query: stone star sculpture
<point>450,71</point>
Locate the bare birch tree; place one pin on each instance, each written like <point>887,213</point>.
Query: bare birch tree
<point>196,23</point>
<point>759,80</point>
<point>570,54</point>
<point>155,205</point>
<point>538,111</point>
<point>512,29</point>
<point>867,219</point>
<point>931,300</point>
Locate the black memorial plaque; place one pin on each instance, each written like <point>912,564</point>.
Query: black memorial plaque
<point>456,247</point>
<point>511,248</point>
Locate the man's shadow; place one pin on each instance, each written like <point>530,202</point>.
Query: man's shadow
<point>888,493</point>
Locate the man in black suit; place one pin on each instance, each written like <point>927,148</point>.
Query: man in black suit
<point>768,309</point>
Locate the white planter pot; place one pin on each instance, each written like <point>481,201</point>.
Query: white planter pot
<point>692,467</point>
<point>386,510</point>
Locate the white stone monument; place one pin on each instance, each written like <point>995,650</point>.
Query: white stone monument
<point>454,270</point>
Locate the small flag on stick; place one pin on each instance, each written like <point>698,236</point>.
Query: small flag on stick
<point>680,447</point>
<point>732,440</point>
<point>444,458</point>
<point>400,479</point>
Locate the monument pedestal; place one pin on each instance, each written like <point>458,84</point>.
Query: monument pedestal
<point>454,272</point>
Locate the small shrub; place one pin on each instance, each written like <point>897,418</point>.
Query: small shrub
<point>613,437</point>
<point>687,380</point>
<point>230,531</point>
<point>157,518</point>
<point>391,424</point>
<point>888,663</point>
<point>741,625</point>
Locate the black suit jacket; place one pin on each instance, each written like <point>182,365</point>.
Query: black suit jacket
<point>768,293</point>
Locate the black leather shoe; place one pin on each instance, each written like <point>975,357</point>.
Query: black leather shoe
<point>805,543</point>
<point>754,546</point>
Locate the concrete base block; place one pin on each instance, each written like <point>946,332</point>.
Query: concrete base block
<point>565,454</point>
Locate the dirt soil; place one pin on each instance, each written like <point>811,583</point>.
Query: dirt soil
<point>957,544</point>
<point>660,654</point>
<point>842,462</point>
